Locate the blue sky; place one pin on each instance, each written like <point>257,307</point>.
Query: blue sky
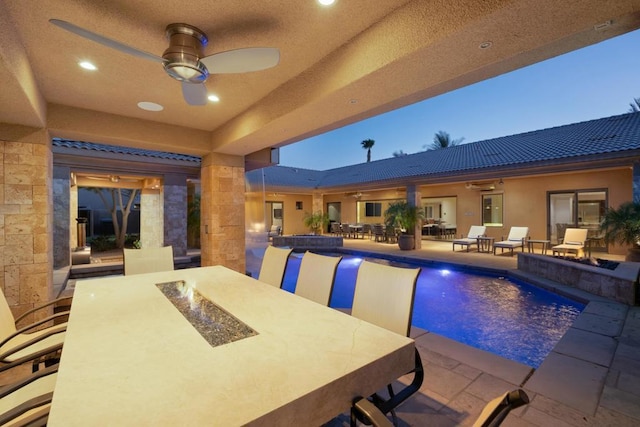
<point>590,83</point>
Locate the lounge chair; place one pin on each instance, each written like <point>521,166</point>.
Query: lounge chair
<point>274,265</point>
<point>472,237</point>
<point>515,239</point>
<point>275,230</point>
<point>316,277</point>
<point>148,260</point>
<point>573,241</point>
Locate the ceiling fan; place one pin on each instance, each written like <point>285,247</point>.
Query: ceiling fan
<point>184,59</point>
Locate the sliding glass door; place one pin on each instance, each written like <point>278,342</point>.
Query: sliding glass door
<point>575,209</point>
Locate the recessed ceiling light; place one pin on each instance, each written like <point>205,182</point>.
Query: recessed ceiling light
<point>485,45</point>
<point>87,65</point>
<point>326,2</point>
<point>150,106</point>
<point>213,98</point>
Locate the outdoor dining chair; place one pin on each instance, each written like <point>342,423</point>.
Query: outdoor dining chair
<point>274,264</point>
<point>316,277</point>
<point>384,296</point>
<point>26,401</point>
<point>148,260</point>
<point>21,344</point>
<point>492,415</point>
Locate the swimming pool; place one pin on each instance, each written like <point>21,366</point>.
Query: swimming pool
<point>506,317</point>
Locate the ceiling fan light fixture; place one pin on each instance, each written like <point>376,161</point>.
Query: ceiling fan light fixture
<point>187,71</point>
<point>182,57</point>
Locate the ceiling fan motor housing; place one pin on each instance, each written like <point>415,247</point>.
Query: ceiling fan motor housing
<point>182,57</point>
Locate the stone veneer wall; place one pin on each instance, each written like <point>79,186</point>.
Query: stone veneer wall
<point>620,286</point>
<point>222,211</point>
<point>26,210</point>
<point>151,218</point>
<point>62,211</point>
<point>175,213</point>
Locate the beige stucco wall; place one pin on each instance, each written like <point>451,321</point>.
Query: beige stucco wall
<point>292,218</point>
<point>525,200</point>
<point>26,209</point>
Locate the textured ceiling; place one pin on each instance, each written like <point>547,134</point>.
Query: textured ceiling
<point>338,65</point>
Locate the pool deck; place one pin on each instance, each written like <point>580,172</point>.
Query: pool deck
<point>591,378</point>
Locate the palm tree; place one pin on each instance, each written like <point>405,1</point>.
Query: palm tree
<point>399,153</point>
<point>367,144</point>
<point>443,140</point>
<point>635,106</point>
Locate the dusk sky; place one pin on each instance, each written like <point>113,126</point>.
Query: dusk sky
<point>590,83</point>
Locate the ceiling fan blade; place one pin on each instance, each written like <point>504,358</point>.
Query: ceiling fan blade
<point>194,94</point>
<point>105,40</point>
<point>242,60</point>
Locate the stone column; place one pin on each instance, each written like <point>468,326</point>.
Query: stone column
<point>62,217</point>
<point>151,218</point>
<point>413,198</point>
<point>175,213</point>
<point>26,215</point>
<point>222,211</point>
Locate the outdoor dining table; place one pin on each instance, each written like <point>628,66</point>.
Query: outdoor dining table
<point>211,346</point>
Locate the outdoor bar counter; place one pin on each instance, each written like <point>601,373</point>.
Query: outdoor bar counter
<point>269,357</point>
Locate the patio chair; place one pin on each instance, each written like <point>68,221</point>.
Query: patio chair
<point>366,230</point>
<point>384,296</point>
<point>316,277</point>
<point>378,233</point>
<point>492,415</point>
<point>148,260</point>
<point>573,241</point>
<point>515,239</point>
<point>391,234</point>
<point>335,229</point>
<point>274,264</point>
<point>20,345</point>
<point>475,231</point>
<point>346,230</point>
<point>26,402</point>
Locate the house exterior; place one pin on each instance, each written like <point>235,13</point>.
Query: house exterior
<point>545,179</point>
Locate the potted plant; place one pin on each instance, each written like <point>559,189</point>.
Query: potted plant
<point>403,216</point>
<point>316,221</point>
<point>621,226</point>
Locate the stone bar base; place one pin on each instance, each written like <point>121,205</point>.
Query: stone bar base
<point>620,285</point>
<point>308,242</point>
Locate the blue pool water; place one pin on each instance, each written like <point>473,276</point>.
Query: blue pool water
<point>509,318</point>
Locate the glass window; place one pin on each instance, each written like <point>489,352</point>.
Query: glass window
<point>492,209</point>
<point>373,209</point>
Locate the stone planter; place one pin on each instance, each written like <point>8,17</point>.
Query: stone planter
<point>406,242</point>
<point>620,285</point>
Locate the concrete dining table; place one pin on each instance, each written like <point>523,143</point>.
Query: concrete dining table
<point>210,346</point>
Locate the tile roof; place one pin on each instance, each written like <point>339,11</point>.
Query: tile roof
<point>59,142</point>
<point>610,137</point>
